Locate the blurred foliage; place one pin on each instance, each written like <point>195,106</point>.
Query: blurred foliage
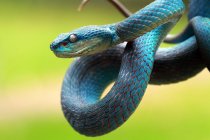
<point>165,113</point>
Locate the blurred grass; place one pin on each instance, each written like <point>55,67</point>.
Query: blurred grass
<point>27,28</point>
<point>174,112</point>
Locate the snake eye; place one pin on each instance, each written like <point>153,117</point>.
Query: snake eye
<point>73,38</point>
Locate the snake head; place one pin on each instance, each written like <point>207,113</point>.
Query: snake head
<point>83,41</point>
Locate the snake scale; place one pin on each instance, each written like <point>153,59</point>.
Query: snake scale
<point>104,57</point>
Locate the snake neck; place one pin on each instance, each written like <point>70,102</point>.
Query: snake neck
<point>115,38</point>
<point>145,20</point>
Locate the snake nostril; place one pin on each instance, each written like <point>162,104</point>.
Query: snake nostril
<point>53,47</point>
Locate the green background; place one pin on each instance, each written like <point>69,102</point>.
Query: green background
<point>31,77</point>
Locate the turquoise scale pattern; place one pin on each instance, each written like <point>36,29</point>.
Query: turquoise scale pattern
<point>152,16</point>
<point>202,34</point>
<point>82,84</point>
<point>93,117</point>
<point>131,66</point>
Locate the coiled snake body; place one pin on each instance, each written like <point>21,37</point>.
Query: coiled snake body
<point>129,65</point>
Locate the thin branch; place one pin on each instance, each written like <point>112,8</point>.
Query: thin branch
<point>120,7</point>
<point>83,3</point>
<point>117,4</point>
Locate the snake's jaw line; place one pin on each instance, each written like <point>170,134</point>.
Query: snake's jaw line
<point>81,51</point>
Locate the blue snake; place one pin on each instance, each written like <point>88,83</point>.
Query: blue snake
<point>103,57</point>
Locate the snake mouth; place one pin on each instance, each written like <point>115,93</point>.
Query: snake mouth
<point>81,48</point>
<point>67,54</point>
